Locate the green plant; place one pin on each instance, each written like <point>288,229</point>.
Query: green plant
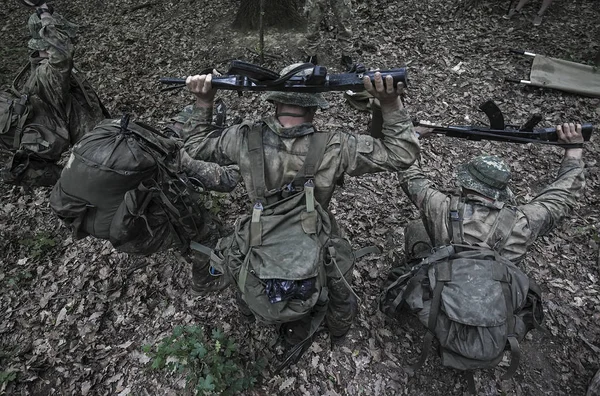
<point>212,364</point>
<point>39,245</point>
<point>6,377</point>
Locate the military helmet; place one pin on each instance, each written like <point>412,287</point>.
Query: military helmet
<point>487,175</point>
<point>35,25</point>
<point>301,99</point>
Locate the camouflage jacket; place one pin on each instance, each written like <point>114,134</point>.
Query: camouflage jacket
<point>534,219</point>
<point>62,101</point>
<point>286,148</point>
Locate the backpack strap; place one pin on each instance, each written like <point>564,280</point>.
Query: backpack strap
<point>502,227</point>
<point>500,274</point>
<point>18,78</point>
<point>457,208</point>
<point>74,74</point>
<point>257,161</point>
<point>314,157</point>
<point>443,275</point>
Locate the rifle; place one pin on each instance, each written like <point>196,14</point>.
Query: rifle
<point>244,76</point>
<point>501,132</point>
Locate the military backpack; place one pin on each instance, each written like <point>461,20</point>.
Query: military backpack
<point>124,182</point>
<point>284,256</point>
<point>474,302</point>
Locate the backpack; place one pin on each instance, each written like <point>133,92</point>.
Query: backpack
<point>123,182</point>
<point>475,302</point>
<point>14,110</point>
<point>283,256</point>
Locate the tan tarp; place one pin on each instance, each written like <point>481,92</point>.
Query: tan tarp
<point>564,75</point>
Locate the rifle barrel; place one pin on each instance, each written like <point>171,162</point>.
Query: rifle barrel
<point>540,135</point>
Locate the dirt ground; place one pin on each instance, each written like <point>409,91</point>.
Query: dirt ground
<point>74,315</point>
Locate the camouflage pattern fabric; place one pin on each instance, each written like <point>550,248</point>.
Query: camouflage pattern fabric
<point>487,175</point>
<point>63,105</point>
<point>534,219</point>
<point>316,11</point>
<point>285,150</point>
<point>34,24</point>
<point>301,99</point>
<point>48,87</point>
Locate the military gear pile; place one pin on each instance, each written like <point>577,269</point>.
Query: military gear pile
<point>123,182</point>
<point>475,302</point>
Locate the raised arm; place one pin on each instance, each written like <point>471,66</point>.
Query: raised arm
<point>557,200</point>
<point>202,140</point>
<point>398,148</point>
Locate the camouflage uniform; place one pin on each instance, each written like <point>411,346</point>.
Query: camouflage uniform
<point>212,177</point>
<point>534,219</point>
<point>285,150</point>
<point>63,107</point>
<point>58,82</point>
<point>316,10</point>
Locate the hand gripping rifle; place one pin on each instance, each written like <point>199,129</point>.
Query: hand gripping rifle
<point>498,131</point>
<point>243,76</point>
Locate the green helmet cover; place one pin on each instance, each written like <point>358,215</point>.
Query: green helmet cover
<point>487,175</point>
<point>300,99</point>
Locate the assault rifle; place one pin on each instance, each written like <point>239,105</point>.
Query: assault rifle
<point>244,76</point>
<point>498,131</point>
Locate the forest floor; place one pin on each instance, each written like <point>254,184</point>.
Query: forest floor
<point>74,314</point>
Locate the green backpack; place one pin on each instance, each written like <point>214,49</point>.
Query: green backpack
<point>283,256</point>
<point>124,183</point>
<point>475,302</point>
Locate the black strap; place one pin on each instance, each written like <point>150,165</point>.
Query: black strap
<point>19,76</point>
<point>314,157</point>
<point>443,275</point>
<point>515,358</point>
<point>456,219</point>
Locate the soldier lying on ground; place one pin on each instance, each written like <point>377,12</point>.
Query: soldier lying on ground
<point>484,192</point>
<point>50,105</point>
<point>285,139</point>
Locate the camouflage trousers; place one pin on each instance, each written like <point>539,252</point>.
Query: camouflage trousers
<point>316,10</point>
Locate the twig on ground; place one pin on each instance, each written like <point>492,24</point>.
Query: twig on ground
<point>266,54</point>
<point>140,6</point>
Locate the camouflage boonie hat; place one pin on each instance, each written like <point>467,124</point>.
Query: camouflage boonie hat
<point>488,175</point>
<point>301,99</point>
<point>35,25</point>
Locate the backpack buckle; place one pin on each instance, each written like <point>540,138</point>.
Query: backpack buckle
<point>21,105</point>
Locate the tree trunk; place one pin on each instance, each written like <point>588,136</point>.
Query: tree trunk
<point>597,61</point>
<point>278,13</point>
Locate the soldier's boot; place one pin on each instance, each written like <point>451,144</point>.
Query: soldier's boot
<point>246,312</point>
<point>205,278</point>
<point>340,318</point>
